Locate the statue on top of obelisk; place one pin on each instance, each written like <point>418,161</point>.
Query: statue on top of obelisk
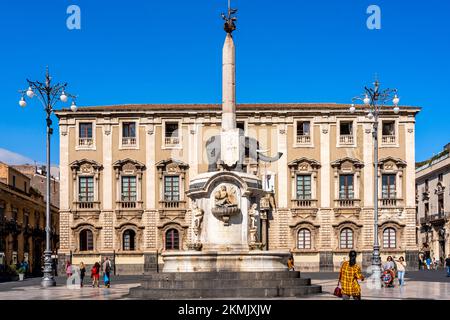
<point>229,26</point>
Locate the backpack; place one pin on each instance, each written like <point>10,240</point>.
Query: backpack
<point>108,267</point>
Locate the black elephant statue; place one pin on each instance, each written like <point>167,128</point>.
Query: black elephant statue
<point>248,147</point>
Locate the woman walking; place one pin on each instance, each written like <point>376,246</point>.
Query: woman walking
<point>95,275</point>
<point>348,278</point>
<point>68,269</point>
<point>82,272</point>
<point>401,269</point>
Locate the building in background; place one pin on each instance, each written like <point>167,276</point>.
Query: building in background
<point>22,217</point>
<point>433,204</point>
<point>124,171</point>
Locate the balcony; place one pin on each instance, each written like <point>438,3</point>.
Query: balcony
<point>86,207</point>
<point>129,207</point>
<point>388,139</point>
<point>171,141</point>
<point>438,218</point>
<point>129,141</point>
<point>388,202</point>
<point>85,142</point>
<point>347,207</point>
<point>304,208</point>
<point>346,139</point>
<point>304,139</point>
<point>172,208</point>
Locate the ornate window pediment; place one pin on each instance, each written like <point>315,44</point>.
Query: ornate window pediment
<point>391,164</point>
<point>440,188</point>
<point>347,164</point>
<point>85,166</point>
<point>171,166</point>
<point>304,165</point>
<point>129,166</point>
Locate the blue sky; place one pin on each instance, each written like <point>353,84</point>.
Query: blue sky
<point>170,52</point>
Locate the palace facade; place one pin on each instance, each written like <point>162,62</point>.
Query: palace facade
<point>125,170</point>
<point>433,205</point>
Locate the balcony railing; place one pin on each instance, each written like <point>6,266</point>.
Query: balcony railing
<point>389,139</point>
<point>129,204</point>
<point>172,204</point>
<point>87,205</point>
<point>85,142</point>
<point>388,202</point>
<point>347,203</point>
<point>306,203</point>
<point>128,141</point>
<point>346,139</point>
<point>303,139</point>
<point>171,141</point>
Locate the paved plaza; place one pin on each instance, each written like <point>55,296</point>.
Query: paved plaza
<point>432,285</point>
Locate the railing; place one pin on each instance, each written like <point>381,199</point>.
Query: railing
<point>171,141</point>
<point>307,203</point>
<point>172,204</point>
<point>389,139</point>
<point>303,139</point>
<point>438,216</point>
<point>128,141</point>
<point>347,203</point>
<point>388,202</point>
<point>128,204</point>
<point>85,142</point>
<point>346,139</point>
<point>423,220</point>
<point>87,205</point>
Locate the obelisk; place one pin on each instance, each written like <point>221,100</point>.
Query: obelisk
<point>229,153</point>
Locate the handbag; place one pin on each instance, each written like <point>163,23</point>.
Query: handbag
<point>338,291</point>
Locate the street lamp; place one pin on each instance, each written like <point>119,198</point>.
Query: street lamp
<point>48,95</point>
<point>374,102</point>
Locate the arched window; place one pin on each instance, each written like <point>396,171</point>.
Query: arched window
<point>128,240</point>
<point>172,239</point>
<point>304,239</point>
<point>86,240</point>
<point>389,238</point>
<point>347,238</point>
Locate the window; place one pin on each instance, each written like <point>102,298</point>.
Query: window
<point>171,134</point>
<point>303,187</point>
<point>129,133</point>
<point>440,177</point>
<point>15,213</point>
<point>427,209</point>
<point>303,132</point>
<point>86,240</point>
<point>440,203</point>
<point>388,128</point>
<point>86,189</point>
<point>26,219</point>
<point>171,188</point>
<point>85,134</point>
<point>37,220</point>
<point>346,189</point>
<point>172,239</point>
<point>129,188</point>
<point>347,238</point>
<point>388,186</point>
<point>304,239</point>
<point>346,128</point>
<point>426,185</point>
<point>128,240</point>
<point>389,238</point>
<point>25,186</point>
<point>14,181</point>
<point>241,126</point>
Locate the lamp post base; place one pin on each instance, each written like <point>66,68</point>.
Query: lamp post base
<point>376,268</point>
<point>48,282</point>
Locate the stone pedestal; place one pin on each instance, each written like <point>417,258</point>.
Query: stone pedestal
<point>224,199</point>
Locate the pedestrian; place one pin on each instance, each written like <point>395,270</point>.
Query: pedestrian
<point>447,265</point>
<point>290,264</point>
<point>106,272</point>
<point>349,275</point>
<point>82,272</point>
<point>421,262</point>
<point>401,269</point>
<point>68,269</point>
<point>95,275</point>
<point>428,263</point>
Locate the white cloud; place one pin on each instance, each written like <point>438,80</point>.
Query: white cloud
<point>12,158</point>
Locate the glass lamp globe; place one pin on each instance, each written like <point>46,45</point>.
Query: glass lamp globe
<point>22,102</point>
<point>352,108</point>
<point>73,107</point>
<point>366,100</point>
<point>396,110</point>
<point>63,97</point>
<point>370,115</point>
<point>30,92</point>
<point>396,100</point>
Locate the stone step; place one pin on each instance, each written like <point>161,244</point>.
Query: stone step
<point>225,283</point>
<point>186,276</point>
<point>240,292</point>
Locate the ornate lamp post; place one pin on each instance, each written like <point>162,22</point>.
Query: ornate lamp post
<point>375,101</point>
<point>49,95</point>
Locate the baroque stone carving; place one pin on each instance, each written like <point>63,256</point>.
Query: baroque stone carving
<point>253,229</point>
<point>198,214</point>
<point>225,203</point>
